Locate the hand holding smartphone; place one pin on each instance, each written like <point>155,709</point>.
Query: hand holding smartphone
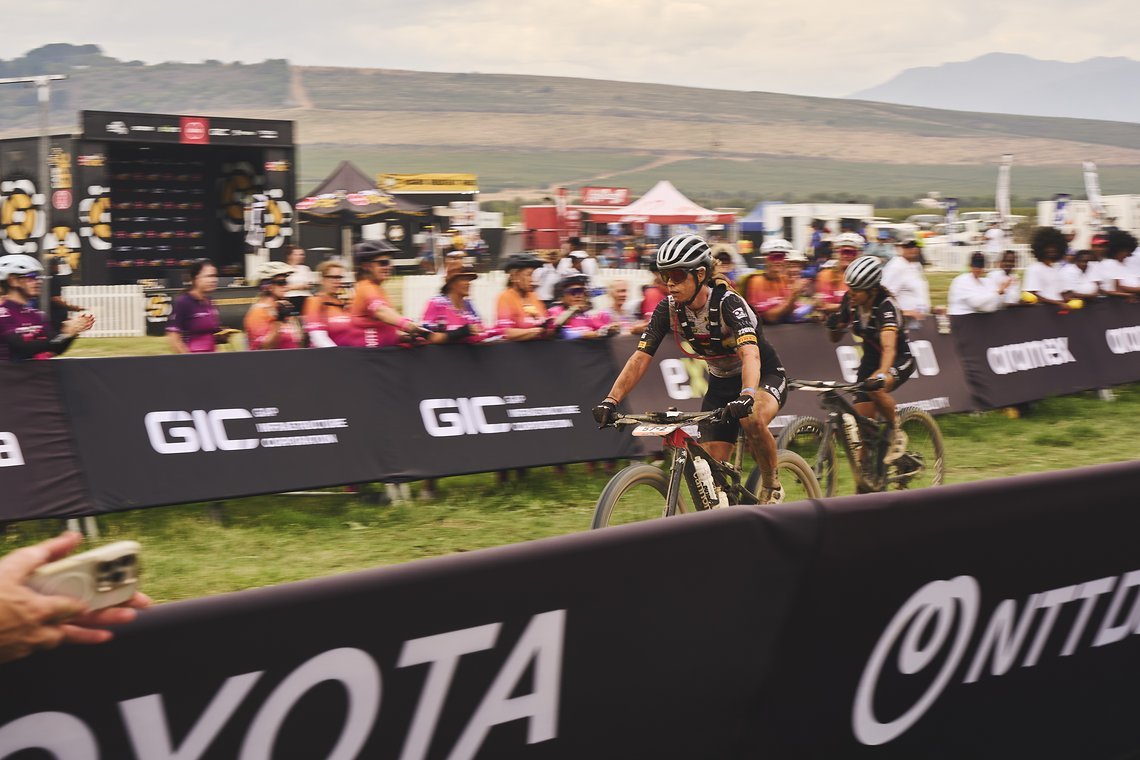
<point>104,577</point>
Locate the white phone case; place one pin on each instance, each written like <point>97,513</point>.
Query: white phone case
<point>102,577</point>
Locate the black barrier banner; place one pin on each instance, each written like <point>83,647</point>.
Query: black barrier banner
<point>647,641</point>
<point>1114,341</point>
<point>938,384</point>
<point>994,619</point>
<point>39,474</point>
<point>176,429</point>
<point>1026,354</point>
<point>462,409</point>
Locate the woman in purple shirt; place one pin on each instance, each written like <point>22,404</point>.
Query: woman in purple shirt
<point>194,321</point>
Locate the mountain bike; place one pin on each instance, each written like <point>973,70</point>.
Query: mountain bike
<point>644,491</point>
<point>864,441</point>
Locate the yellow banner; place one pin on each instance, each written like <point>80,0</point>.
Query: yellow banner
<point>428,183</point>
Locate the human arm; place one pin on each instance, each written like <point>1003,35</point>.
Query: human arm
<point>20,348</point>
<point>30,621</point>
<point>838,320</point>
<point>888,340</point>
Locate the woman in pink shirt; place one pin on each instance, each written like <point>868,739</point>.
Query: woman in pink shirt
<point>451,316</point>
<point>572,315</point>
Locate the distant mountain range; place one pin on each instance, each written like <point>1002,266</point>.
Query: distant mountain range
<point>1099,88</point>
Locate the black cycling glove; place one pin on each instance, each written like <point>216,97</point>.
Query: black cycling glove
<point>605,413</point>
<point>741,406</point>
<point>874,383</point>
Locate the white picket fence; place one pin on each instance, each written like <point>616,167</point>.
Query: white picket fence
<point>119,310</point>
<point>485,290</point>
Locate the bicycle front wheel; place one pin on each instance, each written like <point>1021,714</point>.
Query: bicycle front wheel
<point>924,463</point>
<point>635,494</point>
<point>805,436</point>
<point>796,477</point>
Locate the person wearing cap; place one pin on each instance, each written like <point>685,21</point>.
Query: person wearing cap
<point>451,315</point>
<point>1005,281</point>
<point>771,294</point>
<point>271,321</point>
<point>803,303</point>
<point>904,277</point>
<point>325,315</point>
<point>371,309</point>
<point>883,247</point>
<point>970,292</point>
<point>571,317</point>
<point>520,313</point>
<point>578,261</point>
<point>829,283</point>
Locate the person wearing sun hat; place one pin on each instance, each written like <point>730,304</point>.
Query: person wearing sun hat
<point>451,315</point>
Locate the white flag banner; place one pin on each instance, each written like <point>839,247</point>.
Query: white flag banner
<point>1003,189</point>
<point>1092,192</point>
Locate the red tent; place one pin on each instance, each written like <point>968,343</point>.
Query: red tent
<point>663,204</point>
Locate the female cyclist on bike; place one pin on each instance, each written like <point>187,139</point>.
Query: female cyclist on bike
<point>710,321</point>
<point>870,311</point>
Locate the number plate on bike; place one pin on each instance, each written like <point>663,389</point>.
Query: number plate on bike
<point>654,429</point>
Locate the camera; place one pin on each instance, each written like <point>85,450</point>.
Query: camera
<point>102,577</point>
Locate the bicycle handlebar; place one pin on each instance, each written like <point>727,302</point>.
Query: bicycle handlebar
<point>668,418</point>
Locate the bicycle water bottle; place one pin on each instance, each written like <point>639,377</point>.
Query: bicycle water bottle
<point>714,498</point>
<point>852,428</point>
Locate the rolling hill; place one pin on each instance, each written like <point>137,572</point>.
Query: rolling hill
<point>523,134</point>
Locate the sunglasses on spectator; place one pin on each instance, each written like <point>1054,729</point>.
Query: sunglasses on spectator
<point>576,291</point>
<point>675,276</point>
<point>278,281</point>
<point>382,262</point>
<point>31,277</point>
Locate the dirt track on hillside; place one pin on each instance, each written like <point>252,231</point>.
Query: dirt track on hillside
<point>466,131</point>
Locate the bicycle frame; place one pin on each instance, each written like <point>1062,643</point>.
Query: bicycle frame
<point>868,475</point>
<point>871,474</point>
<point>682,448</point>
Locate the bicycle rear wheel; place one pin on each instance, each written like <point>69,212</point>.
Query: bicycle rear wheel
<point>924,463</point>
<point>805,436</point>
<point>796,477</point>
<point>635,494</point>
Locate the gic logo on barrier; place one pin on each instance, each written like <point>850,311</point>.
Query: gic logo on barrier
<point>1123,340</point>
<point>921,633</point>
<point>10,453</point>
<point>207,430</point>
<point>1033,354</point>
<point>538,652</point>
<point>448,417</point>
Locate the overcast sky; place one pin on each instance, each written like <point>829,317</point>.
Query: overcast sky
<point>818,47</point>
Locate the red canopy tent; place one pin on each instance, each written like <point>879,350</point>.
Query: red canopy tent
<point>663,204</point>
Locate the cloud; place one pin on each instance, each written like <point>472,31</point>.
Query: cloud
<point>828,47</point>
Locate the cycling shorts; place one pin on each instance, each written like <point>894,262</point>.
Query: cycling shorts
<point>902,369</point>
<point>724,389</point>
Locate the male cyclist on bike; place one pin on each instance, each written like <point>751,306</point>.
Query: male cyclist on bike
<point>711,321</point>
<point>870,311</point>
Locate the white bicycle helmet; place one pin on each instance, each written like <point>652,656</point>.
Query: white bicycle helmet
<point>848,240</point>
<point>687,251</point>
<point>864,273</point>
<point>19,263</point>
<point>776,245</point>
<point>271,269</point>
